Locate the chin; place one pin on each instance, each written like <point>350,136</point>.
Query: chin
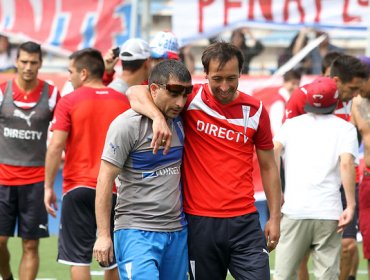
<point>172,116</point>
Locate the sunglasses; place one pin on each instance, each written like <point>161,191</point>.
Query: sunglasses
<point>177,89</point>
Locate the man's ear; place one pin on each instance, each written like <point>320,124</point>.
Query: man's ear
<point>84,74</point>
<point>336,80</point>
<point>153,89</point>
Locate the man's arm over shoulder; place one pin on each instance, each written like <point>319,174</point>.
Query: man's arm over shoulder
<point>141,101</point>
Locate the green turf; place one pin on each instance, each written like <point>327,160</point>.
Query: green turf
<point>50,269</point>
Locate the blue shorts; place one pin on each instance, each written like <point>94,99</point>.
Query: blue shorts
<point>143,255</point>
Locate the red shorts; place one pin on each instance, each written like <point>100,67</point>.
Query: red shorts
<point>364,206</point>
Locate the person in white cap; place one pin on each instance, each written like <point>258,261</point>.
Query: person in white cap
<point>134,55</point>
<point>164,46</point>
<point>320,152</point>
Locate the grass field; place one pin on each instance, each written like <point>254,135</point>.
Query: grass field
<point>51,270</point>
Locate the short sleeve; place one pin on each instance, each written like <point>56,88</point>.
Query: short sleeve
<point>349,143</point>
<point>120,140</point>
<point>263,138</point>
<point>62,115</point>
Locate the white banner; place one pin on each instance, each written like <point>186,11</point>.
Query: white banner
<point>196,19</point>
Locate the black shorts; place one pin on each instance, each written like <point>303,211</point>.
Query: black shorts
<point>77,231</point>
<point>219,244</point>
<point>23,206</point>
<point>350,231</point>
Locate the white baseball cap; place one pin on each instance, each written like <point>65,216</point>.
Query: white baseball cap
<point>134,49</point>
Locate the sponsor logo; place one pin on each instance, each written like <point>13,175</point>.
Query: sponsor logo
<point>221,132</point>
<point>19,114</point>
<point>265,251</point>
<point>113,147</point>
<point>168,171</point>
<point>22,134</point>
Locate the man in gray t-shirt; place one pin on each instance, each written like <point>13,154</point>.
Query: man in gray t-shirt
<point>150,237</point>
<point>134,55</point>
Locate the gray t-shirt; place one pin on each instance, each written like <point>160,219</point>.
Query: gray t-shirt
<point>119,85</point>
<point>149,189</point>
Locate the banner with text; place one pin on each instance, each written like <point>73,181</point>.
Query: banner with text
<point>197,19</point>
<point>64,26</point>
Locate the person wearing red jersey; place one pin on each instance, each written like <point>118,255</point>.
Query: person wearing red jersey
<point>360,117</point>
<point>26,108</point>
<point>223,127</point>
<point>350,75</point>
<point>79,128</point>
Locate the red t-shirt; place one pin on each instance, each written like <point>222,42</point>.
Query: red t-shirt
<point>218,153</point>
<point>86,115</point>
<point>23,175</point>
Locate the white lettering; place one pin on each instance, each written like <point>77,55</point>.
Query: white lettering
<point>169,171</point>
<point>228,136</point>
<point>213,130</point>
<point>221,132</point>
<point>200,125</point>
<point>22,134</point>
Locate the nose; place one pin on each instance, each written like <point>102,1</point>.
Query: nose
<point>181,100</point>
<point>224,85</point>
<point>28,66</point>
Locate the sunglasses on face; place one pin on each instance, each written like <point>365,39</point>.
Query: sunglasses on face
<point>177,89</point>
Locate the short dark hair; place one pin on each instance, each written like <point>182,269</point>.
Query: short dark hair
<point>328,60</point>
<point>348,67</point>
<point>90,59</point>
<point>30,47</point>
<point>132,65</point>
<point>169,68</point>
<point>223,52</point>
<point>293,74</point>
